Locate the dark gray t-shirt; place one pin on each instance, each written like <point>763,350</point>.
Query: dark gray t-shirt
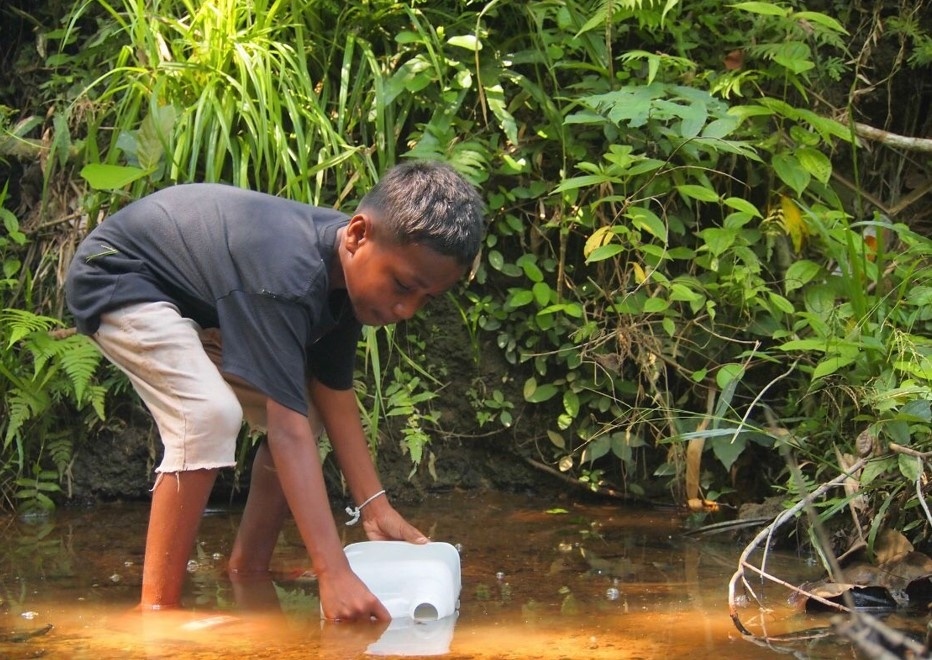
<point>254,265</point>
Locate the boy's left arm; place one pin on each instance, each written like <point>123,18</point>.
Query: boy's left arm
<point>339,412</point>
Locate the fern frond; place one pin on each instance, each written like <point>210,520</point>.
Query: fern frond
<point>60,449</point>
<point>96,397</point>
<point>15,324</point>
<point>79,359</point>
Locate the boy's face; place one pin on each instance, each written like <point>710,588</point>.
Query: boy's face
<point>387,282</point>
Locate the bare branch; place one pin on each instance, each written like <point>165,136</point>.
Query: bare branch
<point>892,139</point>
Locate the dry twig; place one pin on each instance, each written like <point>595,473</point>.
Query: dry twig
<point>767,532</point>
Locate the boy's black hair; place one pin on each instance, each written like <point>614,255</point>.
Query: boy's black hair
<point>431,204</point>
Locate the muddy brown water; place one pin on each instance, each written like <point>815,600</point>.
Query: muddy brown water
<point>540,580</point>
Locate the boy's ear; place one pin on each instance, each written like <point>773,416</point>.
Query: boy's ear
<point>357,232</point>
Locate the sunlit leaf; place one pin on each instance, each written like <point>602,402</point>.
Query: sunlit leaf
<point>598,238</point>
<point>467,41</point>
<point>765,8</point>
<point>639,275</point>
<point>793,222</point>
<point>111,177</point>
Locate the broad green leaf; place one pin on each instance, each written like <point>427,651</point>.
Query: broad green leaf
<point>621,448</point>
<point>655,305</point>
<point>604,252</point>
<point>815,162</point>
<point>780,303</point>
<point>111,177</point>
<point>790,171</point>
<point>799,274</point>
<point>154,135</point>
<point>467,41</point>
<point>920,409</point>
<point>535,393</point>
<point>820,19</point>
<point>701,193</point>
<point>520,298</point>
<point>647,220</point>
<point>541,291</point>
<point>727,374</point>
<point>742,205</point>
<point>571,403</point>
<point>875,469</point>
<point>793,55</point>
<point>910,467</point>
<point>764,8</point>
<point>596,449</point>
<point>830,365</point>
<point>681,292</point>
<point>718,239</point>
<point>569,308</point>
<point>727,449</point>
<point>531,270</point>
<point>720,128</point>
<point>556,439</point>
<point>804,345</point>
<point>694,116</point>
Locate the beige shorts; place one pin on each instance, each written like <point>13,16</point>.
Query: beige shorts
<point>174,366</point>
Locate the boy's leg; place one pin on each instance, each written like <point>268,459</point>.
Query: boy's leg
<point>198,417</point>
<point>178,502</point>
<point>262,520</point>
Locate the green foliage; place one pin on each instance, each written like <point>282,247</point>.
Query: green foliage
<point>673,255</point>
<point>44,381</point>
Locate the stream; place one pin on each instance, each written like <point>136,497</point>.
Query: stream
<point>540,579</point>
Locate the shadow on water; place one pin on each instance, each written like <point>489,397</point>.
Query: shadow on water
<point>585,581</point>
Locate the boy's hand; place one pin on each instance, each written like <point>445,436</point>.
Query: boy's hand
<point>382,523</point>
<point>344,597</point>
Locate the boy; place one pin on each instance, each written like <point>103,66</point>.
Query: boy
<point>219,302</point>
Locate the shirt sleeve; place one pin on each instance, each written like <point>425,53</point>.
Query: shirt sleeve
<point>264,343</point>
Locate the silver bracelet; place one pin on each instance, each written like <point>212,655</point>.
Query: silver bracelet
<point>355,512</point>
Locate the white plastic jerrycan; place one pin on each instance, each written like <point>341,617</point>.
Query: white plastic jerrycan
<point>420,582</point>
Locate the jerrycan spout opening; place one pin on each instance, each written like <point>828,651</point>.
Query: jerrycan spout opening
<point>425,612</point>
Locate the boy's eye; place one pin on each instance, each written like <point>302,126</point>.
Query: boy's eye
<point>402,286</point>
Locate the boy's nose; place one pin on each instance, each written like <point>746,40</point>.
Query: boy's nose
<point>405,309</point>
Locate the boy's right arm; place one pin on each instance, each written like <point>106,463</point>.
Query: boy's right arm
<point>343,596</point>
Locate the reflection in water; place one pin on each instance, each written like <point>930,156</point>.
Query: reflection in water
<point>409,637</point>
<point>581,581</point>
